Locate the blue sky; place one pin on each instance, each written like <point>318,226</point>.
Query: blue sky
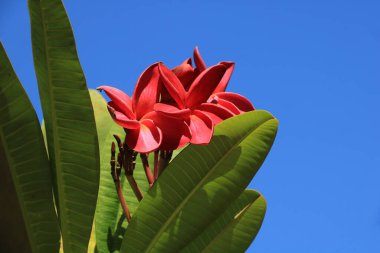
<point>313,64</point>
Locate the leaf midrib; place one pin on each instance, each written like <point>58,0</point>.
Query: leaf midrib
<point>178,209</point>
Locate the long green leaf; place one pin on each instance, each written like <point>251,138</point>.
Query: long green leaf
<point>28,222</point>
<point>110,224</point>
<point>69,120</point>
<point>235,229</point>
<point>200,183</point>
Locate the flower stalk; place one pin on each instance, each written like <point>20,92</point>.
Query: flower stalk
<point>148,172</point>
<point>115,172</point>
<point>165,157</point>
<point>126,159</point>
<point>129,167</point>
<point>155,169</point>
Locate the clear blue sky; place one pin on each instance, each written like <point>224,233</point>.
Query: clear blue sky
<point>313,64</point>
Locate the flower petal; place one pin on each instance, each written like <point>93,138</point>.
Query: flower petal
<point>146,92</point>
<point>215,112</point>
<point>121,119</point>
<point>226,77</point>
<point>145,139</point>
<point>228,105</point>
<point>204,85</point>
<point>172,111</point>
<point>175,132</point>
<point>120,100</point>
<point>173,85</point>
<point>199,63</point>
<point>185,73</point>
<point>201,128</point>
<point>224,103</point>
<point>238,100</point>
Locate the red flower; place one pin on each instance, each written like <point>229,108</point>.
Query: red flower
<point>146,129</point>
<point>197,95</point>
<point>187,103</point>
<point>143,134</point>
<point>186,73</point>
<point>184,109</point>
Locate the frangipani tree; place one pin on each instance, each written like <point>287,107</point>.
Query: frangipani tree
<point>186,148</point>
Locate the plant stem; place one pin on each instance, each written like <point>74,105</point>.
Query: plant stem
<point>120,195</point>
<point>155,164</point>
<point>165,157</point>
<point>129,166</point>
<point>135,187</point>
<point>148,172</point>
<point>115,172</point>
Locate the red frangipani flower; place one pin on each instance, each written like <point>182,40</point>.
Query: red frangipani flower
<point>143,134</point>
<point>187,103</point>
<point>146,129</point>
<point>232,102</point>
<point>197,95</point>
<point>170,108</point>
<point>186,73</point>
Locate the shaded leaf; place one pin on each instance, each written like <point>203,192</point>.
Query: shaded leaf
<point>28,220</point>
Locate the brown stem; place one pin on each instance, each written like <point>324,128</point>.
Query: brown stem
<point>113,161</point>
<point>127,163</point>
<point>155,169</point>
<point>148,172</point>
<point>115,172</point>
<point>169,155</point>
<point>165,157</point>
<point>120,195</point>
<point>129,166</point>
<point>135,187</point>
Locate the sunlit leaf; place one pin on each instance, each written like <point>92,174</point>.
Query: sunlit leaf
<point>69,120</point>
<point>200,184</point>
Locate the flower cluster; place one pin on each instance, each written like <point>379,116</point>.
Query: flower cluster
<point>170,108</point>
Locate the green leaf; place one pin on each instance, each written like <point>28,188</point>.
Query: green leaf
<point>69,120</point>
<point>110,224</point>
<point>200,183</point>
<point>28,220</point>
<point>235,229</point>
